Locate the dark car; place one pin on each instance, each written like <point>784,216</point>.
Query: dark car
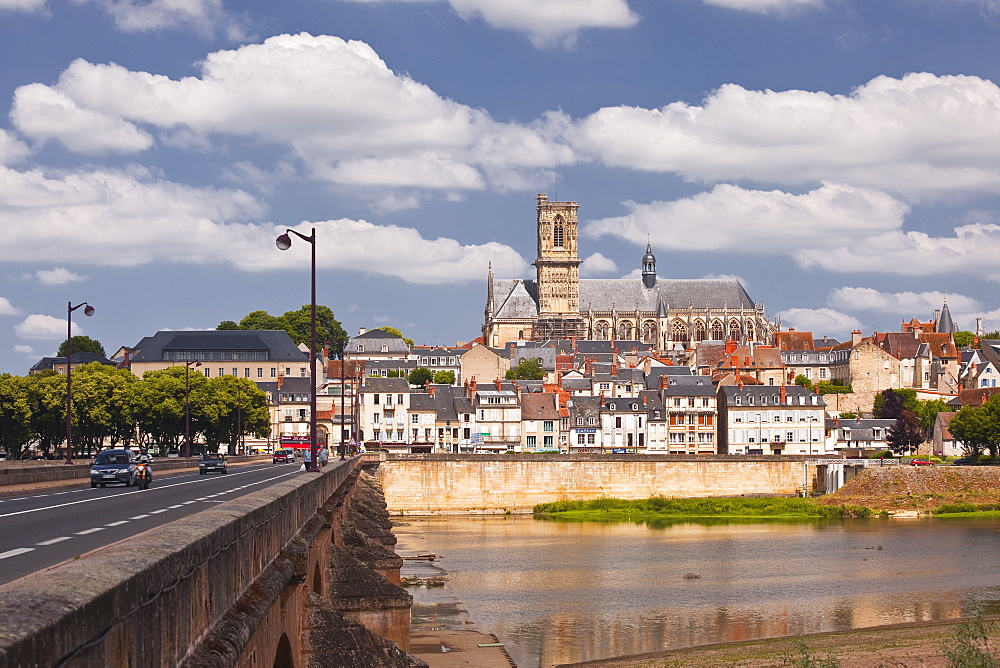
<point>212,462</point>
<point>113,467</point>
<point>283,455</point>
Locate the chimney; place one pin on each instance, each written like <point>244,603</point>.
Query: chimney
<point>572,343</point>
<point>361,331</point>
<point>855,337</point>
<point>746,361</point>
<point>127,362</point>
<point>784,396</point>
<point>664,381</point>
<point>735,361</point>
<point>730,346</point>
<point>499,385</point>
<point>280,380</point>
<point>614,369</point>
<point>836,422</point>
<point>644,400</point>
<point>602,399</point>
<point>859,417</point>
<point>430,390</point>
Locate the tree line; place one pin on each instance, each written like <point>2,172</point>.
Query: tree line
<point>112,407</point>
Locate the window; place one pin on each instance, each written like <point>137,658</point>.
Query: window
<point>547,441</point>
<point>414,419</point>
<point>274,372</point>
<point>260,372</point>
<point>529,441</point>
<point>375,399</point>
<point>822,373</point>
<point>388,400</point>
<point>618,423</point>
<point>591,421</point>
<point>547,426</point>
<point>400,397</point>
<point>581,439</point>
<point>236,371</point>
<point>385,347</point>
<point>302,372</point>
<point>590,439</point>
<point>579,420</point>
<point>558,233</point>
<point>222,372</point>
<point>361,347</point>
<point>208,372</point>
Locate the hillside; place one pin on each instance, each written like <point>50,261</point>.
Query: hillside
<point>898,488</point>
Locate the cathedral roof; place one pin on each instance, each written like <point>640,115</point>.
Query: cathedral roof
<point>516,302</point>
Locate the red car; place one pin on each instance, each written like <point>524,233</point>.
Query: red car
<point>283,456</point>
<point>921,462</point>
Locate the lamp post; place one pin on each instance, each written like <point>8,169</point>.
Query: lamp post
<point>343,447</point>
<point>239,418</point>
<point>87,311</point>
<point>284,242</point>
<point>187,406</point>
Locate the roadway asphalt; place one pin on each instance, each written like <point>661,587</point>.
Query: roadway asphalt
<point>42,529</point>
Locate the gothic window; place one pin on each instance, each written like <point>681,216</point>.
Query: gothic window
<point>718,333</point>
<point>734,330</point>
<point>649,332</point>
<point>557,233</point>
<point>750,334</point>
<point>601,330</point>
<point>625,331</point>
<point>678,332</point>
<point>699,331</point>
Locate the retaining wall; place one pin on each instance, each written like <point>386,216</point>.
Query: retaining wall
<point>23,473</point>
<point>422,484</point>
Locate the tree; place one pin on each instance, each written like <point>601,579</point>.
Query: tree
<point>444,378</point>
<point>82,344</point>
<point>927,412</point>
<point>827,387</point>
<point>46,402</point>
<point>803,381</point>
<point>906,434</point>
<point>963,338</point>
<point>848,415</point>
<point>978,428</point>
<point>159,404</point>
<point>396,332</point>
<point>527,369</point>
<point>227,325</point>
<point>260,320</point>
<point>232,406</point>
<point>298,324</point>
<point>15,429</point>
<point>102,405</point>
<point>420,376</point>
<point>890,403</point>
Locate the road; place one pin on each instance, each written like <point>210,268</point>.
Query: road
<point>47,528</point>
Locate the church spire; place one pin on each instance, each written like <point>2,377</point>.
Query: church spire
<point>649,267</point>
<point>945,325</point>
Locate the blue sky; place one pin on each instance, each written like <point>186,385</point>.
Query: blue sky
<point>841,157</point>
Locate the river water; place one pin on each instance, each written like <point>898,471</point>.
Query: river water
<point>559,592</point>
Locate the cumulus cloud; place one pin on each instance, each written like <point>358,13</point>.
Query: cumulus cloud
<point>597,264</point>
<point>44,327</point>
<point>766,6</point>
<point>835,228</point>
<point>820,321</point>
<point>334,105</point>
<point>204,16</point>
<point>12,149</point>
<point>545,23</point>
<point>6,308</point>
<point>23,349</point>
<point>22,5</point>
<point>130,218</point>
<point>918,304</point>
<point>57,276</point>
<point>921,136</point>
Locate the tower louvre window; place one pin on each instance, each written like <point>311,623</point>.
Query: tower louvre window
<point>558,233</point>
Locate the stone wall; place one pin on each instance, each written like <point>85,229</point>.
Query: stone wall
<point>31,472</point>
<point>427,484</point>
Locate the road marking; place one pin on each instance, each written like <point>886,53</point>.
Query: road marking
<point>186,503</point>
<point>157,512</point>
<point>179,505</point>
<point>14,553</point>
<point>88,531</point>
<point>53,541</point>
<point>139,517</point>
<point>147,492</point>
<point>117,524</point>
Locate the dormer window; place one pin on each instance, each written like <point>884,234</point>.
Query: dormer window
<point>385,347</point>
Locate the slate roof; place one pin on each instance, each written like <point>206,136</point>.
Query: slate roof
<point>375,384</point>
<point>46,363</point>
<point>945,324</point>
<point>763,395</point>
<point>793,340</point>
<point>540,406</point>
<point>689,386</point>
<point>517,302</point>
<point>276,342</point>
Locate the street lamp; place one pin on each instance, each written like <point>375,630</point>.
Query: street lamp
<point>87,311</point>
<point>284,242</point>
<point>187,406</point>
<point>343,447</point>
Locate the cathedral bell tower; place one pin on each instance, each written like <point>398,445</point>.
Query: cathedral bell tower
<point>558,271</point>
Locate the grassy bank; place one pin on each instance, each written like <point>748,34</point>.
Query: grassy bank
<point>660,508</point>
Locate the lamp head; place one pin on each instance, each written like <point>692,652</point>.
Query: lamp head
<point>88,310</point>
<point>284,242</point>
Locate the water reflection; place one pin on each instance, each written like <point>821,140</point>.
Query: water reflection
<point>559,592</point>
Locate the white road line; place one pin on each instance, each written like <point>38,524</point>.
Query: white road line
<point>147,492</point>
<point>53,541</point>
<point>139,517</point>
<point>117,524</point>
<point>179,505</point>
<point>186,503</point>
<point>89,531</point>
<point>157,512</point>
<point>14,553</point>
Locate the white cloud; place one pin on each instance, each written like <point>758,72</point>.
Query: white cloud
<point>820,321</point>
<point>44,327</point>
<point>204,16</point>
<point>6,308</point>
<point>546,23</point>
<point>22,5</point>
<point>57,276</point>
<point>597,264</point>
<point>766,6</point>
<point>26,350</point>
<point>835,228</point>
<point>11,149</point>
<point>922,136</point>
<point>910,304</point>
<point>334,104</point>
<point>728,277</point>
<point>46,114</point>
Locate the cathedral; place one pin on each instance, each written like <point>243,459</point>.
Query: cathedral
<point>664,312</point>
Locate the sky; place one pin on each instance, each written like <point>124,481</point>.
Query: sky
<point>840,157</point>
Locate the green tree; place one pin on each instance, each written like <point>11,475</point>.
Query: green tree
<point>159,405</point>
<point>444,378</point>
<point>906,434</point>
<point>260,320</point>
<point>396,332</point>
<point>828,387</point>
<point>848,415</point>
<point>803,381</point>
<point>328,328</point>
<point>82,344</point>
<point>46,405</point>
<point>102,406</point>
<point>978,429</point>
<point>229,407</point>
<point>420,376</point>
<point>15,425</point>
<point>527,369</point>
<point>963,338</point>
<point>927,412</point>
<point>890,403</point>
<point>227,325</point>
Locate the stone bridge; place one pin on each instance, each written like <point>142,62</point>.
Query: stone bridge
<point>301,573</point>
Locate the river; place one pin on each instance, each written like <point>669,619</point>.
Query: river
<point>560,592</point>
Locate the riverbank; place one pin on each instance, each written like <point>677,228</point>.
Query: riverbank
<point>919,489</point>
<point>915,644</point>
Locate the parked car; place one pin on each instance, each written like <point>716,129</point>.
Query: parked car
<point>283,455</point>
<point>212,462</point>
<point>921,462</point>
<point>173,453</point>
<point>111,467</point>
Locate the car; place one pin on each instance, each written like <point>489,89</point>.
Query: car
<point>113,467</point>
<point>173,452</point>
<point>921,462</point>
<point>283,455</point>
<point>212,462</point>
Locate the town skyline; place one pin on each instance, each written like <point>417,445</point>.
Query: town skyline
<point>839,159</point>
